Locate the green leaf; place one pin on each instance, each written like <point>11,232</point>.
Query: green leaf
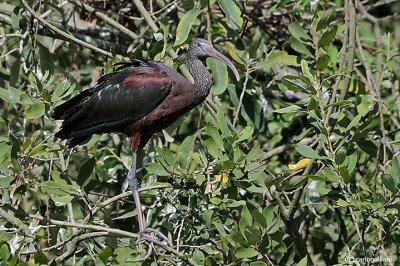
<point>157,169</point>
<point>122,254</point>
<point>306,70</point>
<point>216,201</point>
<point>307,151</point>
<point>297,83</point>
<point>184,26</point>
<point>339,103</point>
<point>313,105</point>
<point>351,161</point>
<point>41,258</point>
<point>316,177</point>
<point>253,235</point>
<point>331,175</point>
<point>277,57</point>
<point>300,47</point>
<point>219,74</point>
<point>212,148</point>
<point>222,124</point>
<point>233,13</point>
<point>290,109</point>
<point>342,203</point>
<point>389,183</point>
<point>11,95</point>
<point>245,134</point>
<point>258,263</point>
<point>105,254</point>
<point>232,51</point>
<point>184,150</point>
<point>4,252</point>
<point>46,59</point>
<point>85,171</point>
<point>198,257</point>
<point>256,41</point>
<point>213,132</point>
<point>328,36</point>
<point>303,262</point>
<point>246,215</point>
<point>15,17</point>
<point>395,171</point>
<point>326,18</point>
<point>62,90</point>
<point>340,155</point>
<point>242,253</point>
<point>14,71</point>
<point>322,62</point>
<point>34,111</point>
<point>297,31</point>
<point>259,217</point>
<point>255,153</point>
<point>353,123</point>
<point>289,60</point>
<point>5,182</point>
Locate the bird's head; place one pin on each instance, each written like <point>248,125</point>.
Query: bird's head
<point>202,49</point>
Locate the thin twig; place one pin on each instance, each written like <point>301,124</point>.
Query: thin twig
<point>15,221</point>
<point>64,34</point>
<point>246,79</point>
<point>105,18</point>
<point>61,244</point>
<point>285,147</point>
<point>375,93</point>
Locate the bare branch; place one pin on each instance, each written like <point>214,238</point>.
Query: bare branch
<point>64,34</point>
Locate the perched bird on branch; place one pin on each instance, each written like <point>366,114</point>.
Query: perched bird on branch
<point>140,99</point>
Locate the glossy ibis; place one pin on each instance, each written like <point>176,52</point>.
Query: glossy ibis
<point>139,99</point>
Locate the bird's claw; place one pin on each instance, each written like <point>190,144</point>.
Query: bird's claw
<point>152,235</point>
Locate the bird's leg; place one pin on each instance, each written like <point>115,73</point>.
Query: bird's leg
<point>134,185</point>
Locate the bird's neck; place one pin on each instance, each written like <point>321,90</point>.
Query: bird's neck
<point>200,74</point>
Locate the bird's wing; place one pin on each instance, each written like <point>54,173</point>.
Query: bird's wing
<point>116,101</point>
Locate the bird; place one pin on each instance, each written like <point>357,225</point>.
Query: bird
<point>138,99</point>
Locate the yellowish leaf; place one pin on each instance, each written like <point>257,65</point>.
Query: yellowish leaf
<point>299,165</point>
<point>224,178</point>
<point>232,52</point>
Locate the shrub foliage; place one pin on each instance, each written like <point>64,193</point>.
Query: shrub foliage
<point>298,162</point>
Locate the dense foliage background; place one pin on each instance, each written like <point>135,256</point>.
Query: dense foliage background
<point>298,163</point>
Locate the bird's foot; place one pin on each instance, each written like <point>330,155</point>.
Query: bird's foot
<point>153,235</point>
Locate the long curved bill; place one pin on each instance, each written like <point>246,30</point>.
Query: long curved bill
<point>217,55</point>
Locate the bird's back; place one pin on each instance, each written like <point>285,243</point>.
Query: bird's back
<point>117,100</point>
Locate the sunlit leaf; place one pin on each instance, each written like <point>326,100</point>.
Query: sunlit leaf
<point>289,109</point>
<point>307,151</point>
<point>184,26</point>
<point>220,76</point>
<point>36,110</point>
<point>222,178</point>
<point>299,165</point>
<point>233,13</point>
<point>233,53</point>
<point>242,252</point>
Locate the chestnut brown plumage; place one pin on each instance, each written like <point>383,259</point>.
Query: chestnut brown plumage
<point>139,99</point>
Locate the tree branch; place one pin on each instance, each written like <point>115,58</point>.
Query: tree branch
<point>64,34</point>
<point>105,18</point>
